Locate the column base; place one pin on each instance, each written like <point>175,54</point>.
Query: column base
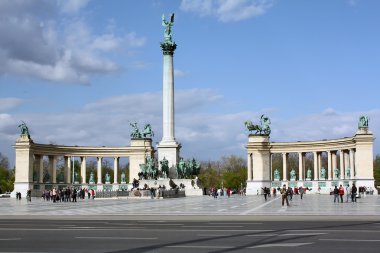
<point>255,187</point>
<point>22,188</point>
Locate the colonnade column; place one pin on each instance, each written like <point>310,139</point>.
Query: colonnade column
<point>53,168</point>
<point>347,162</point>
<point>329,165</point>
<point>316,170</point>
<point>300,166</point>
<point>341,166</point>
<point>284,162</point>
<point>249,165</point>
<point>40,166</point>
<point>320,164</point>
<point>67,170</point>
<point>83,169</point>
<point>99,172</point>
<point>115,169</point>
<point>334,164</point>
<point>352,164</point>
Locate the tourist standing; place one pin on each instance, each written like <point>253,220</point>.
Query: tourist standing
<point>284,195</point>
<point>74,195</point>
<point>336,194</point>
<point>348,192</point>
<point>341,193</point>
<point>54,195</point>
<point>290,193</point>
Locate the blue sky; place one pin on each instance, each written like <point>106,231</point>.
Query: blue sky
<point>79,71</point>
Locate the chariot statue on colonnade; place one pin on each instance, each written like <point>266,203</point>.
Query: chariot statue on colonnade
<point>136,133</point>
<point>263,128</point>
<point>24,129</point>
<point>363,121</point>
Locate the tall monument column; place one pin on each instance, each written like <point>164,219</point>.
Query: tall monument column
<point>168,148</point>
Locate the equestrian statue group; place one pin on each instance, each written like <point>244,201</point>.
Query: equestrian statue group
<point>262,129</point>
<point>145,133</point>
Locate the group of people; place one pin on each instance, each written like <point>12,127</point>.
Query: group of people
<point>351,192</point>
<point>215,192</point>
<point>67,195</point>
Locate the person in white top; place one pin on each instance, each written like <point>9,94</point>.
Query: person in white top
<point>348,192</point>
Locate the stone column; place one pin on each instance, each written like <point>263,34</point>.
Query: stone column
<point>24,165</point>
<point>316,166</point>
<point>53,168</point>
<point>249,166</point>
<point>271,168</point>
<point>115,169</point>
<point>328,165</point>
<point>40,166</point>
<point>284,163</point>
<point>83,169</point>
<point>300,166</point>
<point>341,164</point>
<point>352,163</point>
<point>168,148</point>
<point>334,164</point>
<point>99,172</point>
<point>320,165</point>
<point>346,162</point>
<point>67,170</point>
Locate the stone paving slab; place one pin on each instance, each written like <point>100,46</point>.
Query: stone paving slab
<point>310,205</point>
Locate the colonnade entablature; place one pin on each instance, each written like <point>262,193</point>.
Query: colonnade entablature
<point>30,155</point>
<point>321,164</point>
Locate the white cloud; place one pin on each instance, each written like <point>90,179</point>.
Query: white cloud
<point>179,73</point>
<point>72,6</point>
<point>58,48</point>
<point>134,41</point>
<point>202,7</point>
<point>227,10</point>
<point>7,104</point>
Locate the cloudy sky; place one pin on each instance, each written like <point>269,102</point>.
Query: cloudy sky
<point>78,71</point>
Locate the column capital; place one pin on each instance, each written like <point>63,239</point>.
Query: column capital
<point>168,47</point>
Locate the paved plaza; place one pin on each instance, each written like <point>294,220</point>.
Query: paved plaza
<point>310,205</point>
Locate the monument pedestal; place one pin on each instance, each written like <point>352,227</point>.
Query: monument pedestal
<point>255,187</point>
<point>169,151</point>
<point>258,164</point>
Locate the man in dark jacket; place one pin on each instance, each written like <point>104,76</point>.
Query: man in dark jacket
<point>354,190</point>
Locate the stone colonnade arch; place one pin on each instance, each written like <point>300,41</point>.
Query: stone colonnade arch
<point>30,155</point>
<point>354,165</point>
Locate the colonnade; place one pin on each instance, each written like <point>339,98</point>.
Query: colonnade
<point>346,165</point>
<point>30,157</point>
<point>68,163</point>
<point>349,160</point>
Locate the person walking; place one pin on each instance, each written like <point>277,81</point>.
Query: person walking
<point>265,189</point>
<point>284,195</point>
<point>301,191</point>
<point>28,195</point>
<point>290,193</point>
<point>336,194</point>
<point>354,190</point>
